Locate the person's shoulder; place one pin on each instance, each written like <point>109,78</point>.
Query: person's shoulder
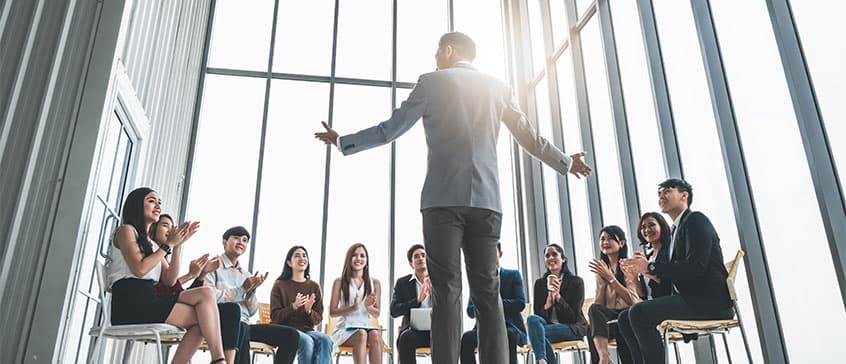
<point>697,217</point>
<point>510,272</point>
<point>403,279</point>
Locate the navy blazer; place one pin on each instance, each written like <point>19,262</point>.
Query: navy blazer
<point>513,301</point>
<point>696,267</point>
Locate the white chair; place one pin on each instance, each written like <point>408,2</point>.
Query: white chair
<point>137,332</point>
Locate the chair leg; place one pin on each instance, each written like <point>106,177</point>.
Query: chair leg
<point>666,347</point>
<point>678,356</point>
<point>713,346</point>
<point>96,356</point>
<point>728,352</point>
<point>127,350</point>
<point>743,333</point>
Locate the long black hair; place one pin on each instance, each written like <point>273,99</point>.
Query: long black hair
<point>133,215</point>
<point>617,234</point>
<point>665,232</point>
<point>287,271</point>
<point>564,270</point>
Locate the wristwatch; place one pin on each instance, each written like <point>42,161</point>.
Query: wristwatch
<point>651,267</point>
<point>166,249</point>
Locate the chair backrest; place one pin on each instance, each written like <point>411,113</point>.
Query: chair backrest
<point>264,313</point>
<point>105,305</point>
<point>331,322</point>
<point>586,307</point>
<point>732,268</point>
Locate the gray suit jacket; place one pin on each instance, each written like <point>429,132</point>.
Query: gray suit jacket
<point>462,109</point>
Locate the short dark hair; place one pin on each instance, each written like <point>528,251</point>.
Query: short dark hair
<point>464,46</point>
<point>236,231</point>
<point>410,253</point>
<point>680,185</point>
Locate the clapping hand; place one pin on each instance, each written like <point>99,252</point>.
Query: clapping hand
<point>578,167</point>
<point>637,264</point>
<point>601,270</point>
<point>425,291</point>
<point>179,234</point>
<point>211,265</point>
<point>328,137</point>
<point>308,302</point>
<point>254,281</point>
<point>197,265</point>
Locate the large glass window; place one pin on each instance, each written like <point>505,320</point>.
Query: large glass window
<point>536,32</point>
<point>765,118</point>
<point>579,208</point>
<point>364,39</point>
<point>640,108</point>
<point>223,182</point>
<point>482,21</point>
<point>550,176</point>
<point>819,23</point>
<point>420,25</point>
<point>291,205</point>
<point>303,36</point>
<point>607,167</point>
<point>359,185</point>
<point>240,44</point>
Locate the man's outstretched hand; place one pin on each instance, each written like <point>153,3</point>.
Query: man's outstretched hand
<point>578,167</point>
<point>329,137</point>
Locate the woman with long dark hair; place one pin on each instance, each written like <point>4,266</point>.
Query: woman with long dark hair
<point>557,304</point>
<point>654,236</point>
<point>356,297</point>
<point>615,291</point>
<point>135,267</point>
<point>232,337</point>
<point>296,301</point>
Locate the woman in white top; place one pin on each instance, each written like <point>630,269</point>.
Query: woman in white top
<point>355,297</point>
<point>136,265</point>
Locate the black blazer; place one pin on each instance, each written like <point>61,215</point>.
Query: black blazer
<point>404,299</point>
<point>569,308</point>
<point>696,267</point>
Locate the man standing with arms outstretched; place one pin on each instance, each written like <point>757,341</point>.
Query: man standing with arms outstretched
<point>462,110</point>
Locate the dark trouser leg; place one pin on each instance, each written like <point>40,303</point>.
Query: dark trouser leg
<point>244,355</point>
<point>230,322</point>
<point>627,336</point>
<point>468,347</point>
<point>481,236</point>
<point>443,232</point>
<point>513,341</point>
<point>645,316</point>
<point>407,343</point>
<point>599,316</point>
<point>284,338</point>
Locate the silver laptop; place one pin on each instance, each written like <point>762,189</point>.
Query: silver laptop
<point>421,319</point>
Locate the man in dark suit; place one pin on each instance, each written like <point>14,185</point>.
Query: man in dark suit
<point>462,110</point>
<point>694,270</point>
<point>412,291</point>
<point>513,302</point>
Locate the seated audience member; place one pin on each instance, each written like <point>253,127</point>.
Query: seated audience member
<point>231,334</point>
<point>654,236</point>
<point>136,264</point>
<point>296,301</point>
<point>233,284</point>
<point>615,291</point>
<point>694,269</point>
<point>356,297</point>
<point>513,303</point>
<point>557,303</point>
<point>412,291</point>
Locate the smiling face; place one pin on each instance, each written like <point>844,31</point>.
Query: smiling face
<point>299,261</point>
<point>359,259</point>
<point>235,245</point>
<point>152,207</point>
<point>553,260</point>
<point>608,244</point>
<point>650,229</point>
<point>162,228</point>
